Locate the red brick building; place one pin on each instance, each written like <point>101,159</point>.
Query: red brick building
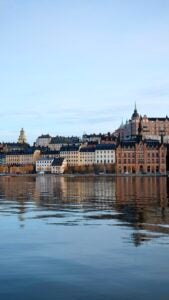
<point>141,156</point>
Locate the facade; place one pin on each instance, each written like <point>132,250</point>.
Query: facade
<point>71,154</point>
<point>86,156</point>
<point>44,165</point>
<point>141,156</point>
<point>43,140</point>
<point>59,165</point>
<point>105,154</point>
<point>26,157</point>
<point>149,128</point>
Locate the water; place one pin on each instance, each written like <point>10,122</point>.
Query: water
<point>84,238</point>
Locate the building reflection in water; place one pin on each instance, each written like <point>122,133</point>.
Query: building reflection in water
<point>137,202</point>
<point>143,202</point>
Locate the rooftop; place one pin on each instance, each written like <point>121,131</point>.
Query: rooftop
<point>106,147</point>
<point>87,149</point>
<point>44,136</point>
<point>69,148</point>
<point>58,161</point>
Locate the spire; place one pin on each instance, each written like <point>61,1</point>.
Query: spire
<point>122,124</point>
<point>135,113</point>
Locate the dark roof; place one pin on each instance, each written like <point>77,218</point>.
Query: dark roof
<point>105,147</point>
<point>58,161</point>
<point>135,114</point>
<point>64,140</point>
<point>47,151</point>
<point>87,149</point>
<point>21,152</point>
<point>137,140</point>
<point>159,119</point>
<point>44,136</point>
<point>130,143</point>
<point>69,148</point>
<point>19,145</point>
<point>152,143</point>
<point>93,135</point>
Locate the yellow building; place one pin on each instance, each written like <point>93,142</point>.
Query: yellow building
<point>22,157</point>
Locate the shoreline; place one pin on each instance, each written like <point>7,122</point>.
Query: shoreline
<point>85,175</point>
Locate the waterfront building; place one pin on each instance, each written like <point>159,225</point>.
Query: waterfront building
<point>141,156</point>
<point>71,154</point>
<point>43,140</point>
<point>58,165</point>
<point>22,137</point>
<point>44,164</point>
<point>86,156</point>
<point>105,154</point>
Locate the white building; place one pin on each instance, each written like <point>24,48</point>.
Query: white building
<point>43,140</point>
<point>105,154</point>
<point>44,164</point>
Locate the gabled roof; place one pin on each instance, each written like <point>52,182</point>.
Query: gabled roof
<point>58,161</point>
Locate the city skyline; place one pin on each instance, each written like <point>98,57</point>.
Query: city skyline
<point>72,67</point>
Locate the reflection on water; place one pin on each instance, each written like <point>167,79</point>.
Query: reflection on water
<point>76,225</point>
<point>139,202</point>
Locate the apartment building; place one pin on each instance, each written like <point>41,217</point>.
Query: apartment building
<point>86,156</point>
<point>26,157</point>
<point>44,165</point>
<point>105,154</point>
<point>71,154</point>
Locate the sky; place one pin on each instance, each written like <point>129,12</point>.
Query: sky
<point>69,67</point>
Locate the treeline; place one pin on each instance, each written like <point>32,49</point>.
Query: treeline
<point>96,169</point>
<point>27,169</point>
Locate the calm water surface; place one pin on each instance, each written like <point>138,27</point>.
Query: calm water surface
<point>84,238</point>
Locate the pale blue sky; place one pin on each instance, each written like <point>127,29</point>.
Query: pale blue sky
<point>72,66</point>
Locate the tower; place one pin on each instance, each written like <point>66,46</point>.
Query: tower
<point>22,137</point>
